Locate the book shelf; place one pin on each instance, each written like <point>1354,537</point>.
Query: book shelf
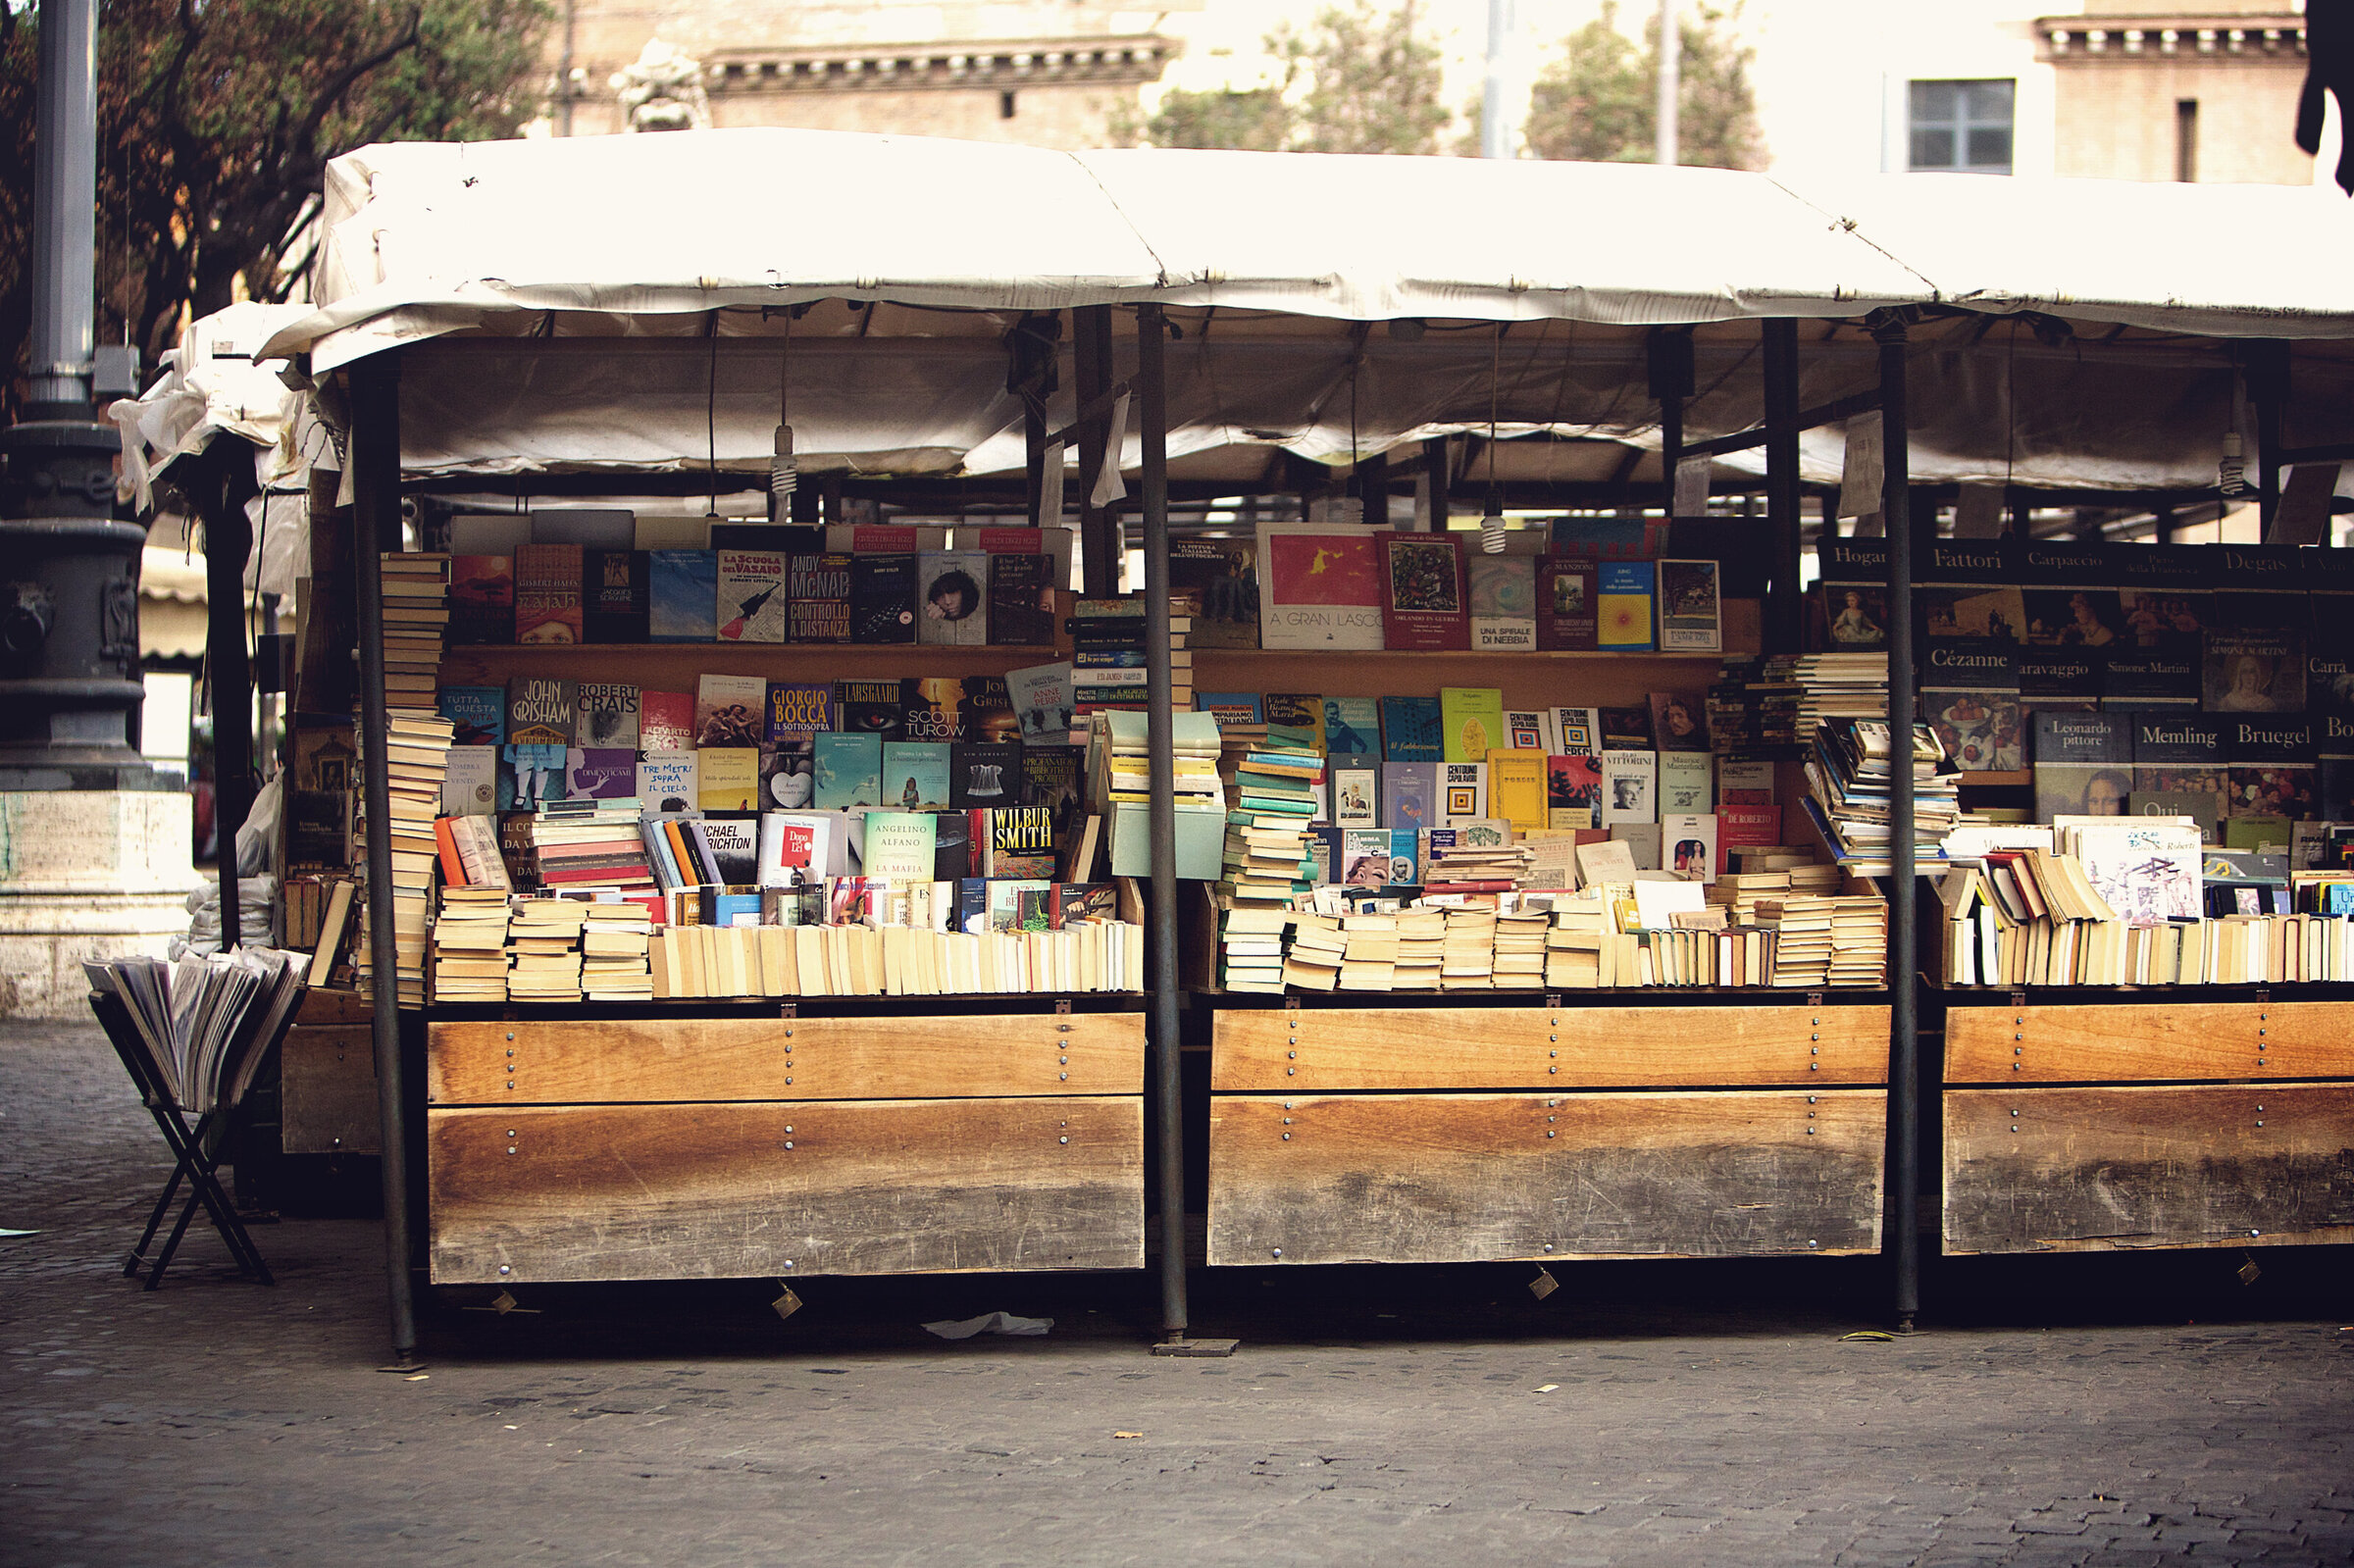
<point>1541,1127</point>
<point>2081,1119</point>
<point>839,1137</point>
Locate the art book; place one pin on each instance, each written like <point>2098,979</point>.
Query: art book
<point>2261,670</point>
<point>1970,694</point>
<point>608,716</point>
<point>2275,767</point>
<point>817,589</point>
<point>751,606</point>
<point>954,586</point>
<point>1566,604</point>
<point>615,595</point>
<point>2083,764</point>
<point>1677,722</point>
<point>730,710</point>
<point>1320,587</point>
<point>547,593</point>
<point>665,720</point>
<point>681,595</point>
<point>1503,591</point>
<point>482,599</point>
<point>1424,608</point>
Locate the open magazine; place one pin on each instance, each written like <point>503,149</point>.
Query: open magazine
<point>203,1021</point>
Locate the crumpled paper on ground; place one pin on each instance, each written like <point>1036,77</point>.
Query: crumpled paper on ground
<point>990,1323</point>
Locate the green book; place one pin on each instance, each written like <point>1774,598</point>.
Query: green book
<point>1471,722</point>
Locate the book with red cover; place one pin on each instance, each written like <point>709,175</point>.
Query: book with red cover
<point>454,865</point>
<point>665,721</point>
<point>1423,605</point>
<point>482,599</point>
<point>1566,619</point>
<point>547,593</point>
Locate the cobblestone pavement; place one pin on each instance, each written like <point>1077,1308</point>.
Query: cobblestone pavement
<point>1646,1413</point>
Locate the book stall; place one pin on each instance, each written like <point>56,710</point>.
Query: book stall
<point>791,818</point>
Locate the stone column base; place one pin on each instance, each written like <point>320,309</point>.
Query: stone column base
<point>86,875</point>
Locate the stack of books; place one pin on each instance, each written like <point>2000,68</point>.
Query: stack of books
<point>1108,658</point>
<point>1836,941</point>
<point>469,945</point>
<point>1741,891</point>
<point>1313,960</point>
<point>1575,945</point>
<point>1121,746</point>
<point>1467,952</point>
<point>1267,861</point>
<point>615,941</point>
<point>1250,946</point>
<point>858,960</point>
<point>1521,949</point>
<point>1840,686</point>
<point>1368,952</point>
<point>1859,940</point>
<point>1847,783</point>
<point>415,745</point>
<point>1421,949</point>
<point>543,949</point>
<point>1754,708</point>
<point>1478,869</point>
<point>590,842</point>
<point>415,620</point>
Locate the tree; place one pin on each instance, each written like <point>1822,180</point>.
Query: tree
<point>1596,101</point>
<point>1373,84</point>
<point>1255,119</point>
<point>217,119</point>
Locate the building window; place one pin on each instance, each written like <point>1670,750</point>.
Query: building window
<point>1004,106</point>
<point>1963,126</point>
<point>2186,139</point>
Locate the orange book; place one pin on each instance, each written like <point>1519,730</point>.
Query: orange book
<point>691,867</point>
<point>453,868</point>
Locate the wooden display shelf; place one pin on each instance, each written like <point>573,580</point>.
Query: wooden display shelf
<point>648,663</point>
<point>1438,1133</point>
<point>2172,1117</point>
<point>2005,779</point>
<point>728,1146</point>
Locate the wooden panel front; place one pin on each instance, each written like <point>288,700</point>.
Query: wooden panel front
<point>1468,1177</point>
<point>1322,1050</point>
<point>678,1059</point>
<point>735,1190</point>
<point>327,1090</point>
<point>2045,1170</point>
<point>2135,1042</point>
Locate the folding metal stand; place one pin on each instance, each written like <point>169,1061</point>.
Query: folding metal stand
<point>190,1146</point>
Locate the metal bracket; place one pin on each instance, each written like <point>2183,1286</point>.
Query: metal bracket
<point>1291,1004</point>
<point>789,1009</point>
<point>2263,997</point>
<point>1553,1000</point>
<point>2018,998</point>
<point>1063,1007</point>
<point>1814,998</point>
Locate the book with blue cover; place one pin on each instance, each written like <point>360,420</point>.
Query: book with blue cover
<point>683,595</point>
<point>849,770</point>
<point>1409,729</point>
<point>1352,727</point>
<point>915,775</point>
<point>478,715</point>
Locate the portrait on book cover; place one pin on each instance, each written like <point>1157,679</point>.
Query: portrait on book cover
<point>1857,618</point>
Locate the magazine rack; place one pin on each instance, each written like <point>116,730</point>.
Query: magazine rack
<point>195,1148</point>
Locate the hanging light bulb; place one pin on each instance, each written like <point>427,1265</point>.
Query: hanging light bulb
<point>784,469</point>
<point>2232,473</point>
<point>1491,533</point>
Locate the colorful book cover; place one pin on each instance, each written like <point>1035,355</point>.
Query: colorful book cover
<point>665,721</point>
<point>615,593</point>
<point>882,598</point>
<point>1525,729</point>
<point>1053,777</point>
<point>1367,858</point>
<point>796,711</point>
<point>478,715</point>
<point>600,773</point>
<point>750,605</point>
<point>1410,730</point>
<point>542,711</point>
<point>1021,904</point>
<point>608,716</point>
<point>666,781</point>
<point>1688,844</point>
<point>1352,727</point>
<point>1691,614</point>
<point>1854,617</point>
<point>2083,764</point>
<point>1470,722</point>
<point>1578,732</point>
<point>482,599</point>
<point>1424,602</point>
<point>1609,538</point>
<point>849,770</point>
<point>529,774</point>
<point>2275,767</point>
<point>1677,722</point>
<point>947,708</point>
<point>1356,796</point>
<point>1463,791</point>
<point>726,777</point>
<point>1230,710</point>
<point>985,774</point>
<point>1566,604</point>
<point>2073,618</point>
<point>1043,701</point>
<point>1516,789</point>
<point>1574,790</point>
<point>2259,670</point>
<point>2177,753</point>
<point>1627,729</point>
<point>547,593</point>
<point>899,845</point>
<point>1301,712</point>
<point>817,586</point>
<point>789,773</point>
<point>730,710</point>
<point>1630,790</point>
<point>915,775</point>
<point>1503,603</point>
<point>1021,840</point>
<point>681,595</point>
<point>1086,901</point>
<point>1220,579</point>
<point>869,707</point>
<point>954,586</point>
<point>1622,598</point>
<point>1021,599</point>
<point>1320,587</point>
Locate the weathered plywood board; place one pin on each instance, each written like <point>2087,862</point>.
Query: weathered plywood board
<point>2044,1170</point>
<point>735,1190</point>
<point>1271,1050</point>
<point>327,1086</point>
<point>1465,1178</point>
<point>2143,1043</point>
<point>678,1059</point>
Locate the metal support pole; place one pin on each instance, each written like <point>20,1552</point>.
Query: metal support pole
<point>1904,1045</point>
<point>1160,738</point>
<point>1373,489</point>
<point>1099,533</point>
<point>376,515</point>
<point>1434,468</point>
<point>222,480</point>
<point>1670,55</point>
<point>65,192</point>
<point>1782,492</point>
<point>1033,454</point>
